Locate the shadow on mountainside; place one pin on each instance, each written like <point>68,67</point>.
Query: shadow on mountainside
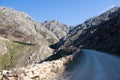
<point>60,53</point>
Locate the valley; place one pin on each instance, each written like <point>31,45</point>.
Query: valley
<point>50,50</point>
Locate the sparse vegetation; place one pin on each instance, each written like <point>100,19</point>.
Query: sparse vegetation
<point>15,52</point>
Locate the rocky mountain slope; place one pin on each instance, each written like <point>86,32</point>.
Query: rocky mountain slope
<point>100,33</point>
<point>27,40</point>
<point>18,26</point>
<point>59,29</point>
<point>13,54</point>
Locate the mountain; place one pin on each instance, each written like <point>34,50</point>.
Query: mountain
<point>59,29</point>
<point>100,33</point>
<point>20,27</point>
<point>27,40</point>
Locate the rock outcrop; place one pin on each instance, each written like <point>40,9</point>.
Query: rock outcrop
<point>3,48</point>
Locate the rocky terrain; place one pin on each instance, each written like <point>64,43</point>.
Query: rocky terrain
<point>48,70</point>
<point>100,33</point>
<point>18,26</point>
<point>28,41</point>
<point>59,29</point>
<point>25,44</point>
<point>14,54</point>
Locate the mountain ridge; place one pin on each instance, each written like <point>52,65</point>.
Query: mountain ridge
<point>82,35</point>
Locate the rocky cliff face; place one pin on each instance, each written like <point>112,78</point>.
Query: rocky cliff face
<point>100,33</point>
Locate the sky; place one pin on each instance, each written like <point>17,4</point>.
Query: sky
<point>70,12</point>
